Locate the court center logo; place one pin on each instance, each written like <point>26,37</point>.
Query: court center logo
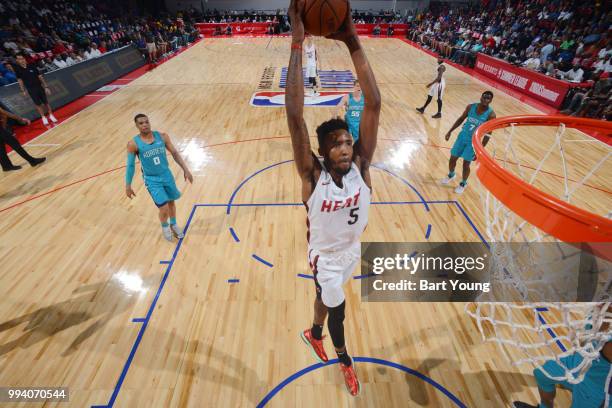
<point>276,99</point>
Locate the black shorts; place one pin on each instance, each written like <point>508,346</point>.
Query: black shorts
<point>312,81</point>
<point>38,95</point>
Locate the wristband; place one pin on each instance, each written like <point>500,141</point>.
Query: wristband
<point>296,46</point>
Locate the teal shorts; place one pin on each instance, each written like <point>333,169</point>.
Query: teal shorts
<point>354,131</point>
<point>162,189</point>
<point>463,148</point>
<point>590,393</point>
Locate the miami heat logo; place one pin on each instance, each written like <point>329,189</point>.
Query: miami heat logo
<point>331,206</point>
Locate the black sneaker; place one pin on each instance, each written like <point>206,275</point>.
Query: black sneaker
<point>12,168</point>
<point>521,404</point>
<point>37,161</point>
<point>420,110</point>
<point>437,115</point>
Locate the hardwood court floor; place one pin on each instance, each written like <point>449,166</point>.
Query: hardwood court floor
<point>81,263</point>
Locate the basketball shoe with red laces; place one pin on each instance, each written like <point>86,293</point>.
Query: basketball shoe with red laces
<point>350,378</point>
<point>315,345</point>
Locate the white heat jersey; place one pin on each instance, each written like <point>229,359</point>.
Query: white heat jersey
<point>311,55</point>
<point>437,89</point>
<point>338,216</point>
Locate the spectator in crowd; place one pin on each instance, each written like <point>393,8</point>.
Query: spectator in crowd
<point>47,65</point>
<point>605,52</point>
<point>69,59</point>
<point>3,80</point>
<point>88,53</point>
<point>59,62</point>
<point>575,74</point>
<point>548,67</point>
<point>585,99</point>
<point>533,62</point>
<point>151,47</point>
<point>94,52</point>
<point>162,43</point>
<point>7,74</point>
<point>603,65</point>
<point>546,50</point>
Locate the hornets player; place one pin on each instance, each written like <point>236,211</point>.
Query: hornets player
<point>352,105</point>
<point>476,114</point>
<point>150,147</point>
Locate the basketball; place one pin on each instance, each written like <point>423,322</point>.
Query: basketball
<point>324,17</point>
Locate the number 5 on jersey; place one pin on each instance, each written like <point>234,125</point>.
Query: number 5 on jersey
<point>354,216</point>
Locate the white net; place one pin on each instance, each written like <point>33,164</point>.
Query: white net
<point>532,330</point>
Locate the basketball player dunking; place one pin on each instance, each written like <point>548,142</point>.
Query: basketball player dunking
<point>311,64</point>
<point>150,147</point>
<point>436,88</point>
<point>336,190</point>
<point>476,114</point>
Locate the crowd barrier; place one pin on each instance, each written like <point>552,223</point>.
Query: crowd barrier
<point>208,29</point>
<point>539,86</point>
<point>68,84</point>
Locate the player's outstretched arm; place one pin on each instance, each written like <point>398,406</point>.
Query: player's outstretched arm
<point>294,102</point>
<point>132,150</point>
<point>177,157</point>
<point>368,128</point>
<point>458,122</point>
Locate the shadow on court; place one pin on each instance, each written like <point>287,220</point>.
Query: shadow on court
<point>195,361</point>
<point>92,306</point>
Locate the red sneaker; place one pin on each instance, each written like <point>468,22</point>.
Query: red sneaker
<point>315,345</point>
<point>350,379</point>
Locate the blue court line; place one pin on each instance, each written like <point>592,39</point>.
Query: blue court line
<point>467,217</point>
<point>234,234</point>
<point>372,360</point>
<point>233,280</point>
<point>551,332</point>
<point>246,180</point>
<point>428,233</point>
<point>146,320</point>
<point>263,261</point>
<point>405,182</point>
<point>138,320</point>
<point>231,200</point>
<point>164,262</point>
<point>301,275</point>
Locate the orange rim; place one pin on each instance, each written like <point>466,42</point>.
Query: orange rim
<point>552,215</point>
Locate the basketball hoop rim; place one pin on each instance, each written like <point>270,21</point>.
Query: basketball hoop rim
<point>552,215</point>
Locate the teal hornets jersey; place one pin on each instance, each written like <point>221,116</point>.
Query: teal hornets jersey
<point>153,160</point>
<point>473,121</point>
<point>353,112</point>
